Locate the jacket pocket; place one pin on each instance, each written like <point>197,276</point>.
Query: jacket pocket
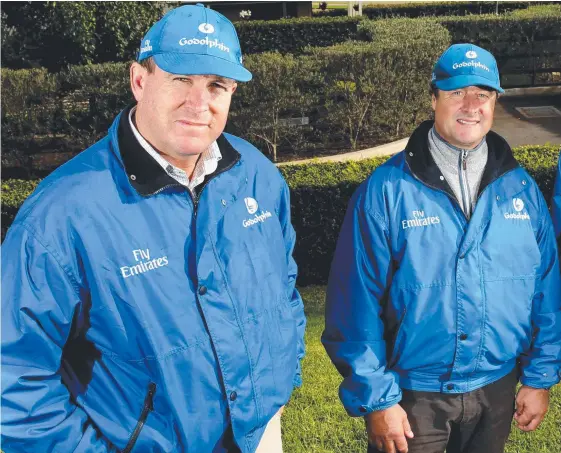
<point>146,409</point>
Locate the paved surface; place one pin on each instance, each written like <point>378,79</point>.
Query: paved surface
<point>512,125</point>
<point>519,130</point>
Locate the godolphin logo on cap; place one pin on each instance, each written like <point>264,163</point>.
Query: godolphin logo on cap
<point>206,28</point>
<point>471,54</point>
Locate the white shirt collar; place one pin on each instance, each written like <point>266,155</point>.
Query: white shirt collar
<point>206,164</point>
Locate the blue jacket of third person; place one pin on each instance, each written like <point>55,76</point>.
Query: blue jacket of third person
<point>556,202</point>
<point>423,299</point>
<point>138,318</point>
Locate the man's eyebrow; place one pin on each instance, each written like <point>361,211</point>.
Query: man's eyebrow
<point>219,79</point>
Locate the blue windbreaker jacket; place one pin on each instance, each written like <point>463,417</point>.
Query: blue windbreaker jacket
<point>136,318</point>
<point>419,298</point>
<point>556,202</point>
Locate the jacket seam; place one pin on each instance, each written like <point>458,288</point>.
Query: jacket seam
<point>379,218</point>
<point>53,254</point>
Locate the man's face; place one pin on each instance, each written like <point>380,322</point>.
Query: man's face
<point>180,115</point>
<point>463,117</point>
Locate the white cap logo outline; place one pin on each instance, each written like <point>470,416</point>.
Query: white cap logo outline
<point>471,54</point>
<point>251,205</point>
<point>206,28</point>
<point>518,204</point>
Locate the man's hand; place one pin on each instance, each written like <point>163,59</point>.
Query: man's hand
<point>531,406</point>
<point>389,429</point>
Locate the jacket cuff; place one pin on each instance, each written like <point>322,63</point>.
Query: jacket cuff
<point>538,384</point>
<point>362,410</point>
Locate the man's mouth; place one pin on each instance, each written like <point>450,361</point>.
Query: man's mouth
<point>467,122</point>
<point>192,123</point>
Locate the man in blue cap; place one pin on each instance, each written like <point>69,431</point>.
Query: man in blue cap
<point>149,300</point>
<point>445,289</point>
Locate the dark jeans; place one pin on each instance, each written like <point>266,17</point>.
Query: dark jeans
<point>473,422</point>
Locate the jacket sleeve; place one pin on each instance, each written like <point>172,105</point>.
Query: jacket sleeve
<point>541,365</point>
<point>354,331</point>
<point>293,294</point>
<point>39,301</point>
<point>556,202</point>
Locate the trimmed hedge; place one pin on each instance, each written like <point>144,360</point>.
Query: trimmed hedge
<point>526,41</point>
<point>382,85</point>
<point>57,34</point>
<point>418,9</point>
<point>293,35</point>
<point>354,94</point>
<point>319,196</point>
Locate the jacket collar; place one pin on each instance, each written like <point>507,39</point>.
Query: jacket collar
<point>146,175</point>
<point>421,163</point>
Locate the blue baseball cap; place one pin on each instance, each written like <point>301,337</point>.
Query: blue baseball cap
<point>192,40</point>
<point>463,65</point>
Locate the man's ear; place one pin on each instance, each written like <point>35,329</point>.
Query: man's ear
<point>138,75</point>
<point>433,101</point>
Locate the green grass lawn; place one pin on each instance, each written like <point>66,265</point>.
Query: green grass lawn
<point>315,421</point>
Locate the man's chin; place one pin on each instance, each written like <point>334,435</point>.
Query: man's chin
<point>190,146</point>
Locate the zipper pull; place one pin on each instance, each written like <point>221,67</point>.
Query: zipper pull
<point>464,159</point>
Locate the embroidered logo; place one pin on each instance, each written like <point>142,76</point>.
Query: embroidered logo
<point>206,28</point>
<point>420,220</point>
<point>144,263</point>
<point>147,47</point>
<point>471,54</point>
<point>251,205</point>
<point>518,204</point>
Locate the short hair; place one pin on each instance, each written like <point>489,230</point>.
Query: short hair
<point>148,64</point>
<point>433,90</point>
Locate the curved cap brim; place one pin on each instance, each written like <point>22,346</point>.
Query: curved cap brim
<point>196,64</point>
<point>466,80</point>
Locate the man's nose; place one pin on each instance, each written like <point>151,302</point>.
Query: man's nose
<point>471,103</point>
<point>198,98</point>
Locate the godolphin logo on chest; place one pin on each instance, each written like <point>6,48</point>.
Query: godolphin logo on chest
<point>144,263</point>
<point>518,206</point>
<point>252,206</point>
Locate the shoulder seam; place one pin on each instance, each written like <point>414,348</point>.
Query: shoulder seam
<point>52,253</point>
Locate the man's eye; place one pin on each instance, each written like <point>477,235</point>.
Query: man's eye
<point>457,93</point>
<point>483,96</point>
<point>218,86</point>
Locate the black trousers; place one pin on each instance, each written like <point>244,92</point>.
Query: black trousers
<point>473,422</point>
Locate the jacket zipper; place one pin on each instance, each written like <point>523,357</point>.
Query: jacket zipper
<point>196,198</point>
<point>148,407</point>
<point>464,187</point>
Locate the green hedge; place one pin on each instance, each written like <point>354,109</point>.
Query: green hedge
<point>418,9</point>
<point>381,85</point>
<point>319,196</point>
<point>354,94</point>
<point>57,34</point>
<point>293,35</point>
<point>526,41</point>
